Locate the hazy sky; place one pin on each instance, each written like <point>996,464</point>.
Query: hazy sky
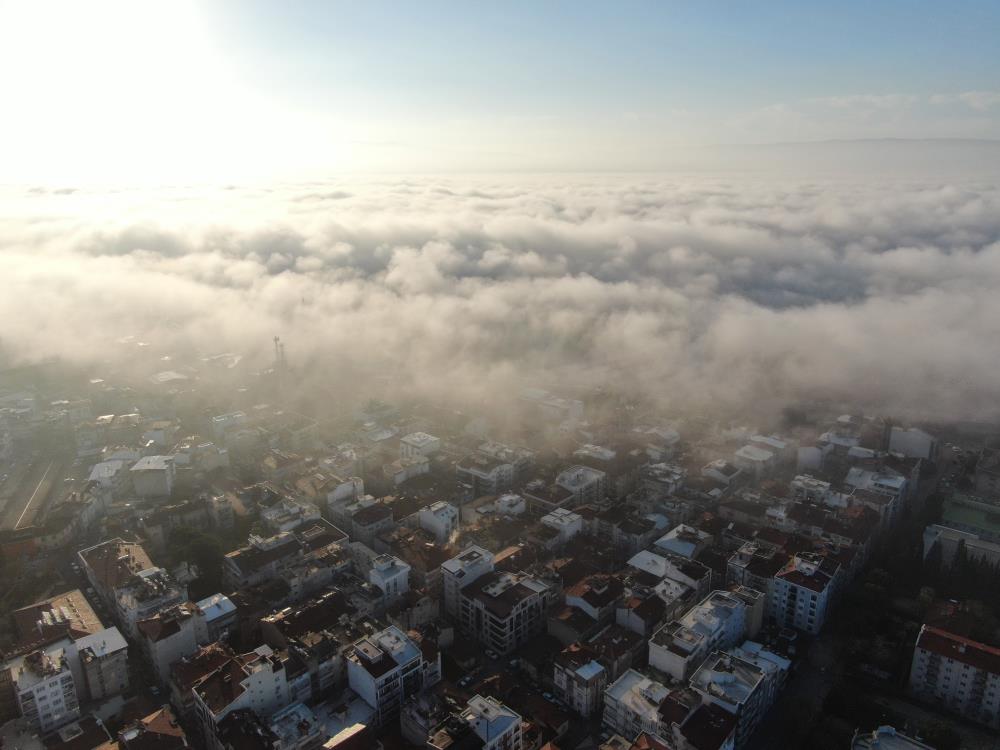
<point>221,90</point>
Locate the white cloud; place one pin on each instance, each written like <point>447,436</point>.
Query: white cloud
<point>700,293</point>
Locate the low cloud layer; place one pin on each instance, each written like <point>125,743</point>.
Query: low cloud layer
<point>736,295</point>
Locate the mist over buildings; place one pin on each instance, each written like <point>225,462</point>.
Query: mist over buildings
<point>727,293</point>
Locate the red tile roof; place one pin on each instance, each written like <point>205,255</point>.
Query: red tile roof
<point>964,650</point>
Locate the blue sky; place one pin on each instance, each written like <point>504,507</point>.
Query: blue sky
<point>237,85</point>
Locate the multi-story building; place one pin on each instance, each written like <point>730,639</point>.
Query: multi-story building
<point>913,443</point>
<point>957,674</point>
<point>418,444</point>
<point>45,690</point>
<point>565,522</point>
<point>755,460</point>
<point>802,592</point>
<point>288,515</point>
<point>168,636</point>
<point>754,565</point>
<point>130,585</point>
<point>68,614</point>
<point>721,620</point>
<point>149,592</point>
<point>596,595</point>
<point>632,705</point>
<point>390,575</point>
<point>370,521</point>
<point>387,668</point>
<point>112,477</point>
<point>579,679</point>
<point>737,686</point>
<point>497,726</point>
<point>484,723</point>
<point>440,519</point>
<point>505,610</point>
<point>486,475</point>
<point>460,571</point>
<point>216,615</point>
<point>256,681</point>
<point>587,485</point>
<point>103,660</point>
<point>684,541</point>
<point>153,476</point>
<point>189,671</point>
<point>260,560</point>
<point>111,565</point>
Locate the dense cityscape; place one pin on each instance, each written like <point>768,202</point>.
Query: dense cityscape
<point>184,568</point>
<point>563,375</point>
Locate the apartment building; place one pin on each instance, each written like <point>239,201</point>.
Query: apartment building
<point>460,571</point>
<point>632,705</point>
<point>387,668</point>
<point>484,723</point>
<point>505,610</point>
<point>256,681</point>
<point>723,619</point>
<point>440,519</point>
<point>957,674</point>
<point>738,687</point>
<point>45,690</point>
<point>580,679</point>
<point>802,592</point>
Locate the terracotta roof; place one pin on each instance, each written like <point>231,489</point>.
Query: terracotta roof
<point>116,561</point>
<point>66,614</point>
<point>964,650</point>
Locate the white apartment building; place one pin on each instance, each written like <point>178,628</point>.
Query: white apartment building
<point>564,521</point>
<point>580,680</point>
<point>45,690</point>
<point>685,541</point>
<point>216,615</point>
<point>256,681</point>
<point>487,475</point>
<point>385,669</point>
<point>288,515</point>
<point>497,726</point>
<point>802,591</point>
<point>390,575</point>
<point>586,484</point>
<point>153,476</point>
<point>632,705</point>
<point>509,504</point>
<point>957,674</point>
<point>440,519</point>
<point>913,443</point>
<point>774,666</point>
<point>167,637</point>
<point>737,686</point>
<point>49,683</point>
<point>755,460</point>
<point>418,444</point>
<point>720,621</point>
<point>112,476</point>
<point>721,471</point>
<point>460,571</point>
